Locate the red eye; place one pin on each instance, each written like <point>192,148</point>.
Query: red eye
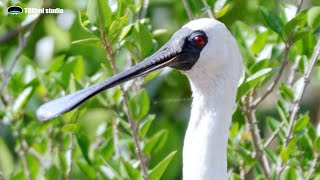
<point>199,40</point>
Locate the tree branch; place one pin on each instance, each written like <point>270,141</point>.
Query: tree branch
<point>257,143</point>
<point>22,152</point>
<point>295,106</point>
<point>313,165</point>
<point>299,6</point>
<point>273,135</point>
<point>271,87</point>
<point>69,160</point>
<point>108,48</point>
<point>144,8</point>
<point>294,70</point>
<point>187,7</point>
<point>23,39</point>
<point>210,14</point>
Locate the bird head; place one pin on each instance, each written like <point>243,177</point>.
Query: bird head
<point>202,49</point>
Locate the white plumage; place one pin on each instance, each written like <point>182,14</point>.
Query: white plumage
<point>214,80</point>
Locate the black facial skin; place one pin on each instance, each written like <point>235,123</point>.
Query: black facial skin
<point>180,52</point>
<point>190,52</point>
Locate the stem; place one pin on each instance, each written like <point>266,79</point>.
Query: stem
<point>294,70</point>
<point>40,158</point>
<point>210,14</point>
<point>299,6</point>
<point>313,165</point>
<point>22,152</point>
<point>257,142</point>
<point>271,87</point>
<point>51,144</point>
<point>69,161</point>
<point>274,134</point>
<point>115,134</point>
<point>108,48</point>
<point>23,39</point>
<point>295,106</point>
<point>144,8</point>
<point>187,7</point>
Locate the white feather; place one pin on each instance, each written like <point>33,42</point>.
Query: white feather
<point>214,79</point>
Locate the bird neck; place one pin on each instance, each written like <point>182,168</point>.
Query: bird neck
<point>206,140</point>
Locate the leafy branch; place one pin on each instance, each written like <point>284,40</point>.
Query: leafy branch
<point>187,7</point>
<point>23,39</point>
<point>296,105</point>
<point>108,48</point>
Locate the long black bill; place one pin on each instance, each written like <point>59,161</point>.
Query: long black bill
<point>166,56</point>
<point>180,52</point>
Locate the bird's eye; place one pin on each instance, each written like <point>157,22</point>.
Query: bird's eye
<point>199,40</point>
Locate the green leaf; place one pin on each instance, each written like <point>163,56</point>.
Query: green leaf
<point>159,32</point>
<point>286,92</point>
<point>282,110</point>
<point>89,42</point>
<point>299,35</point>
<point>235,176</point>
<point>114,165</point>
<point>289,173</point>
<point>22,100</point>
<point>292,144</point>
<point>139,105</point>
<point>57,63</point>
<point>71,128</point>
<point>34,166</point>
<point>234,130</point>
<point>316,144</point>
<point>223,11</point>
<point>156,173</point>
<point>260,42</point>
<point>52,173</point>
<point>143,37</point>
<point>298,21</point>
<point>124,32</point>
<point>284,155</point>
<point>272,156</point>
<point>301,123</point>
<point>156,142</point>
<point>302,64</point>
<point>88,23</point>
<point>64,167</point>
<point>251,82</point>
<point>75,67</point>
<point>144,127</point>
<point>314,17</point>
<point>87,169</point>
<point>305,46</point>
<point>118,24</point>
<point>263,64</point>
<point>99,12</point>
<point>273,20</point>
<point>84,144</point>
<point>133,173</point>
<point>107,149</point>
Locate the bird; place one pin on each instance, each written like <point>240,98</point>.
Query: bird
<point>207,53</point>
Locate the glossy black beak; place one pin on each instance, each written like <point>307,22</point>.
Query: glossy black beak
<point>164,57</point>
<point>180,52</point>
